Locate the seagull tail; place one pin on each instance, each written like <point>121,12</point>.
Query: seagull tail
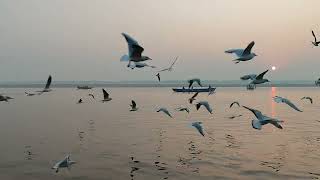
<point>236,61</point>
<point>124,58</point>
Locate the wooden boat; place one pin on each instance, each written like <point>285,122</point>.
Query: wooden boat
<point>84,87</point>
<point>195,89</point>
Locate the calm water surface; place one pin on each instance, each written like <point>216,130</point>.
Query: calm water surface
<point>37,131</point>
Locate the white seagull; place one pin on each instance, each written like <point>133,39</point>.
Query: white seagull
<point>165,111</point>
<point>47,87</point>
<point>205,104</point>
<point>198,126</point>
<point>279,99</point>
<point>65,163</point>
<point>133,106</point>
<point>135,51</point>
<point>263,120</point>
<point>171,66</point>
<point>106,96</point>
<point>243,54</point>
<point>259,79</point>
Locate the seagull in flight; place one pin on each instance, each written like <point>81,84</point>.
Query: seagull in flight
<point>183,109</point>
<point>171,66</point>
<point>193,98</point>
<point>47,87</point>
<point>198,126</point>
<point>315,42</point>
<point>243,54</point>
<point>106,96</point>
<point>197,80</point>
<point>80,101</point>
<point>263,120</point>
<point>279,99</point>
<point>205,104</point>
<point>133,106</point>
<point>309,98</point>
<point>164,110</point>
<point>65,163</point>
<point>235,102</point>
<point>233,116</point>
<point>5,98</point>
<point>158,75</point>
<point>259,79</point>
<point>135,51</point>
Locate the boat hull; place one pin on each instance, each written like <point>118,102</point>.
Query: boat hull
<point>185,90</point>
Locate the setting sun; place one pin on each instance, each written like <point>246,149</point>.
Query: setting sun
<point>273,68</point>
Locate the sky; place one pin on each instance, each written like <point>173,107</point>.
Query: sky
<point>81,39</point>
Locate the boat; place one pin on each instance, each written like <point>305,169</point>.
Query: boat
<point>84,87</point>
<point>195,89</point>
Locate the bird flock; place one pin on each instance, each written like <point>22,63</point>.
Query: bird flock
<point>135,59</point>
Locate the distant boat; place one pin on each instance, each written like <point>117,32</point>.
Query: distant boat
<point>84,87</point>
<point>195,89</point>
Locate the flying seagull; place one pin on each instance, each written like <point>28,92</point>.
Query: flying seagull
<point>5,98</point>
<point>47,87</point>
<point>191,81</point>
<point>65,163</point>
<point>106,96</point>
<point>183,109</point>
<point>193,98</point>
<point>139,65</point>
<point>279,99</point>
<point>171,66</point>
<point>309,98</point>
<point>235,102</point>
<point>315,43</point>
<point>80,101</point>
<point>259,79</point>
<point>198,126</point>
<point>135,51</point>
<point>243,54</point>
<point>165,111</point>
<point>249,76</point>
<point>205,104</point>
<point>263,120</point>
<point>91,95</point>
<point>158,75</point>
<point>133,106</point>
<point>29,94</point>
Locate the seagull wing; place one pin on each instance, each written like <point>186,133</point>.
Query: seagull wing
<point>315,38</point>
<point>136,51</point>
<point>207,105</point>
<point>238,52</point>
<point>198,126</point>
<point>260,76</point>
<point>275,123</point>
<point>256,124</point>
<point>234,103</point>
<point>247,51</point>
<point>257,113</point>
<point>195,95</point>
<point>130,42</point>
<point>48,82</point>
<point>287,101</point>
<point>174,62</point>
<point>105,94</point>
<point>133,105</point>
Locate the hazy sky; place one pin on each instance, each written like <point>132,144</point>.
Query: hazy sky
<point>81,40</point>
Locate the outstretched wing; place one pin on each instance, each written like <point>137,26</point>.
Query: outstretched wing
<point>48,82</point>
<point>315,38</point>
<point>105,94</point>
<point>248,49</point>
<point>292,105</point>
<point>136,51</point>
<point>195,95</point>
<point>174,62</point>
<point>133,46</point>
<point>134,105</point>
<point>260,76</point>
<point>257,113</point>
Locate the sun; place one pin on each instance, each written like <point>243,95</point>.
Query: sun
<point>273,68</point>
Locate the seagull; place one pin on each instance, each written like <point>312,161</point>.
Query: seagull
<point>249,76</point>
<point>29,94</point>
<point>165,111</point>
<point>47,87</point>
<point>259,79</point>
<point>133,106</point>
<point>243,54</point>
<point>135,51</point>
<point>205,104</point>
<point>91,95</point>
<point>5,98</point>
<point>191,81</point>
<point>66,162</point>
<point>315,43</point>
<point>309,98</point>
<point>106,96</point>
<point>193,98</point>
<point>171,67</point>
<point>183,109</point>
<point>158,75</point>
<point>232,117</point>
<point>139,65</point>
<point>198,126</point>
<point>80,101</point>
<point>235,102</point>
<point>279,99</point>
<point>263,120</point>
